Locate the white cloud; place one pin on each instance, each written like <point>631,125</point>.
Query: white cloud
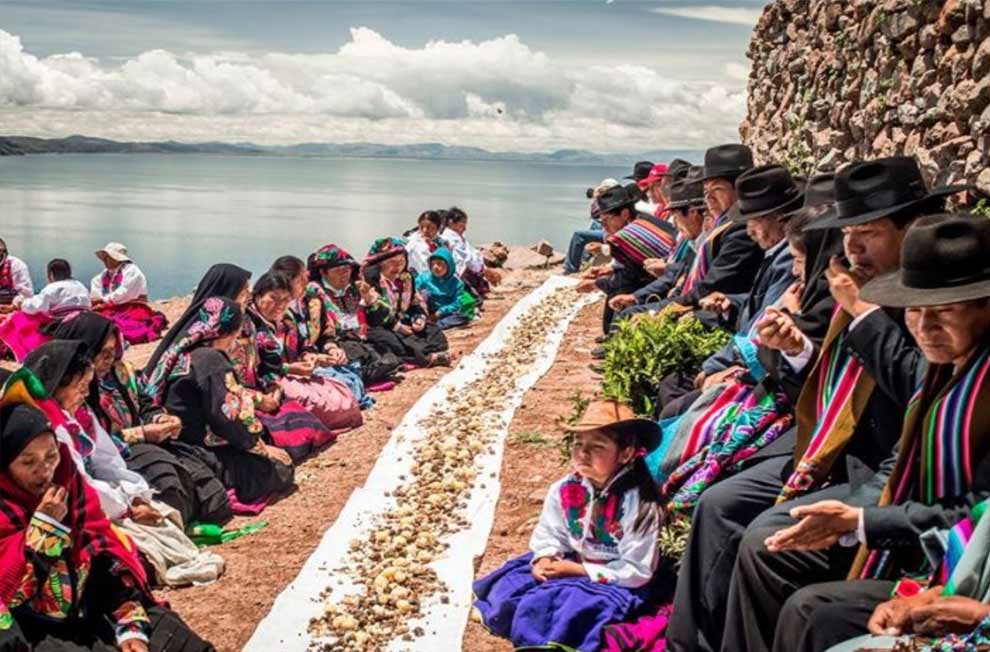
<point>714,13</point>
<point>499,94</point>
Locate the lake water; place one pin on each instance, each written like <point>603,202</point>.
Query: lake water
<point>178,214</point>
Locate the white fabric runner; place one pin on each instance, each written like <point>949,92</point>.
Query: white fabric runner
<point>285,628</point>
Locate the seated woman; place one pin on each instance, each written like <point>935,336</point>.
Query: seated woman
<point>396,312</point>
<point>448,301</point>
<point>66,371</point>
<point>424,240</point>
<point>594,550</point>
<point>330,401</point>
<point>334,301</point>
<point>120,292</point>
<point>470,263</point>
<point>70,580</point>
<point>954,613</point>
<point>30,326</point>
<point>15,280</point>
<point>183,476</point>
<point>195,380</point>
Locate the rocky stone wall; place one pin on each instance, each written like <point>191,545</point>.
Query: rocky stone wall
<point>833,81</point>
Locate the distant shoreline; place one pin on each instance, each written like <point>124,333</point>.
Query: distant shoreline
<point>27,145</point>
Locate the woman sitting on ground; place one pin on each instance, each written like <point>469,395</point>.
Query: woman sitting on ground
<point>335,302</point>
<point>447,299</point>
<point>30,326</point>
<point>195,380</point>
<point>120,292</point>
<point>66,370</point>
<point>15,280</point>
<point>183,476</point>
<point>329,401</point>
<point>70,580</point>
<point>594,550</point>
<point>470,263</point>
<point>424,240</point>
<point>397,314</point>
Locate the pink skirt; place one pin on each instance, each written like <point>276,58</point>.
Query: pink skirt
<point>137,321</point>
<point>331,401</point>
<point>21,333</point>
<point>296,430</point>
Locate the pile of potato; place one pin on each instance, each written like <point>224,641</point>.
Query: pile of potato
<point>392,566</point>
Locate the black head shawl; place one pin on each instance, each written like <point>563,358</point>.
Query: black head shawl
<point>817,302</point>
<point>52,360</point>
<point>221,280</point>
<point>21,424</point>
<point>92,329</point>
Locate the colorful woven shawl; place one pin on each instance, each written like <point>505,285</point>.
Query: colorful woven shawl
<point>639,240</point>
<point>828,409</point>
<point>703,260</point>
<point>111,279</point>
<point>946,429</point>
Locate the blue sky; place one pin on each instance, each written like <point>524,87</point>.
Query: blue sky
<point>524,75</point>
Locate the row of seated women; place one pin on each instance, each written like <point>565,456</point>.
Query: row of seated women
<point>248,382</point>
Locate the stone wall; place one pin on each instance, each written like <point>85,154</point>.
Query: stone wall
<point>834,81</point>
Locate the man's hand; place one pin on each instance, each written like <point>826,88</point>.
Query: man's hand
<point>597,272</point>
<point>952,615</point>
<point>620,302</point>
<point>721,377</point>
<point>844,285</point>
<point>792,298</point>
<point>586,285</point>
<point>655,266</point>
<point>820,526</point>
<point>493,276</point>
<point>133,645</point>
<point>54,503</point>
<point>594,248</point>
<point>715,302</point>
<point>893,618</point>
<point>778,331</point>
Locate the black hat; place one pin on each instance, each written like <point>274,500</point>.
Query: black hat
<point>765,190</point>
<point>617,198</point>
<point>641,170</point>
<point>943,260</point>
<point>678,169</point>
<point>727,161</point>
<point>871,190</point>
<point>686,194</point>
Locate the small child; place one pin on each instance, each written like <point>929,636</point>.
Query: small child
<point>448,300</point>
<point>594,550</point>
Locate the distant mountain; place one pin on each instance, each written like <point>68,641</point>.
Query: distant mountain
<point>19,145</point>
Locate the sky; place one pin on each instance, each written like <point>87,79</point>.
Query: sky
<point>523,75</point>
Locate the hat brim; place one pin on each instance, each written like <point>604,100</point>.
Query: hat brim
<point>731,175</point>
<point>100,253</point>
<point>648,432</point>
<point>889,290</point>
<point>833,221</point>
<point>784,210</point>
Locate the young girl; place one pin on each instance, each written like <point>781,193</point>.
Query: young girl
<point>447,298</point>
<point>425,240</point>
<point>470,263</point>
<point>594,550</point>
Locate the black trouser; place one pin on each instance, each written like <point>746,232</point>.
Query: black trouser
<point>822,615</point>
<point>717,525</point>
<point>762,581</point>
<point>415,349</point>
<point>676,394</point>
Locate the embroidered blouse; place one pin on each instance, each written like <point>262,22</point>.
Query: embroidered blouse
<point>125,408</point>
<point>125,284</point>
<point>420,250</point>
<point>466,257</point>
<point>599,527</point>
<point>56,297</point>
<point>398,303</point>
<point>51,588</point>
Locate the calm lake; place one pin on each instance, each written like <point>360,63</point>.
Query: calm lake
<point>178,214</point>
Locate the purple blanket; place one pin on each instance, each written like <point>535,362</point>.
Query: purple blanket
<point>569,612</point>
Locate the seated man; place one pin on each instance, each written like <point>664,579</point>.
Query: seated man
<point>940,469</point>
<point>594,233</point>
<point>63,293</point>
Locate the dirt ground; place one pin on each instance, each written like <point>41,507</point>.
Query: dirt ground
<point>260,565</point>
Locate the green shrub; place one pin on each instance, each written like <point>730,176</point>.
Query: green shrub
<point>646,348</point>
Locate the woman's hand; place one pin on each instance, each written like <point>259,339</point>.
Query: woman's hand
<point>270,402</point>
<point>540,567</point>
<point>278,455</point>
<point>335,356</point>
<point>792,298</point>
<point>133,645</point>
<point>952,615</point>
<point>145,514</point>
<point>368,294</point>
<point>563,568</point>
<point>302,368</point>
<point>419,324</point>
<point>54,504</point>
<point>162,430</point>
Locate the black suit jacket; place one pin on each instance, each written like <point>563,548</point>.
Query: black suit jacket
<point>734,265</point>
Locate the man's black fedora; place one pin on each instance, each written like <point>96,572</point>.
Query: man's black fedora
<point>615,199</point>
<point>678,169</point>
<point>819,195</point>
<point>765,190</point>
<point>727,161</point>
<point>871,190</point>
<point>641,170</point>
<point>944,259</point>
<point>686,194</point>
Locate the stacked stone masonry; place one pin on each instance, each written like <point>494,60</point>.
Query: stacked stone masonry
<point>834,81</point>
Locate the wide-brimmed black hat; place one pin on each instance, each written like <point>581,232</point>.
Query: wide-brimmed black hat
<point>765,190</point>
<point>727,161</point>
<point>641,170</point>
<point>615,199</point>
<point>871,190</point>
<point>678,169</point>
<point>686,194</point>
<point>819,191</point>
<point>944,259</point>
